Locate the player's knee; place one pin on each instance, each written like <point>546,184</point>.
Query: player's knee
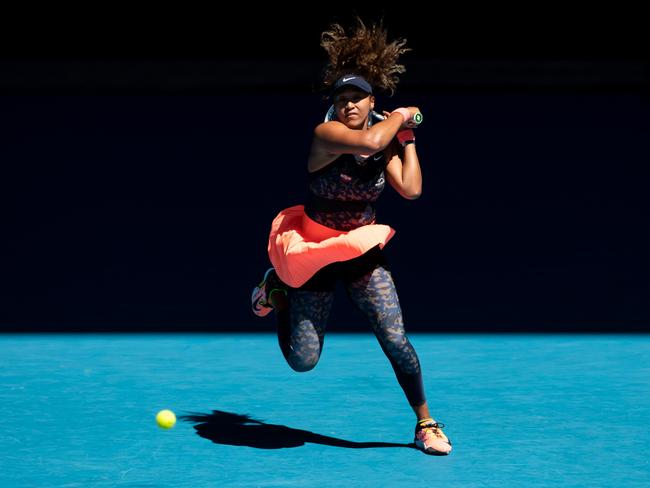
<point>395,341</point>
<point>301,364</point>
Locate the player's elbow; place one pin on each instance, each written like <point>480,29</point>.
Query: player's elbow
<point>374,143</point>
<point>412,192</point>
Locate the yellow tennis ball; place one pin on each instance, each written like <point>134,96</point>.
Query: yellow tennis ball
<point>166,419</point>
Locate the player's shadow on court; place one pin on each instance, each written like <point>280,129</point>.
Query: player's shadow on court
<point>242,430</point>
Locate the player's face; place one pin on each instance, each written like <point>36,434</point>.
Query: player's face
<point>352,107</point>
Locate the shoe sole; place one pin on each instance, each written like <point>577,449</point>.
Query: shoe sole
<point>420,446</point>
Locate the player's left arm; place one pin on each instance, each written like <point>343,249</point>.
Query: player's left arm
<point>403,170</point>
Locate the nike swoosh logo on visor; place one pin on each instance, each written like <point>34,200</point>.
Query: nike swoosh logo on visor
<point>348,79</point>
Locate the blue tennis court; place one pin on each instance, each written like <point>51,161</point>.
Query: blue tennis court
<point>521,410</point>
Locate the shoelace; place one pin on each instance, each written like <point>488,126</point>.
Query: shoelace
<point>434,428</point>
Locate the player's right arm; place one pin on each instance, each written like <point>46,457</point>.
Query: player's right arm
<point>334,138</point>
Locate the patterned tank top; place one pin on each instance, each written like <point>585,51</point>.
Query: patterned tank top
<point>342,194</point>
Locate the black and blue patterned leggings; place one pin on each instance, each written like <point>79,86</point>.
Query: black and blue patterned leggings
<point>369,285</point>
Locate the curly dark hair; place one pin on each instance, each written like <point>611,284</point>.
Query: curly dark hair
<point>364,51</point>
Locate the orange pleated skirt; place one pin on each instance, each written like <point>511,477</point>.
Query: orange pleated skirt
<point>299,246</point>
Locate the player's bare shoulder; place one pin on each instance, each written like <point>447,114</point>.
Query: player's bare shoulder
<point>328,130</point>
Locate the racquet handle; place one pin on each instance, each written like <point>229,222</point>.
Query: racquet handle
<point>416,119</point>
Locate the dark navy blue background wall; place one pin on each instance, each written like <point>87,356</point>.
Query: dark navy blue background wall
<point>135,200</point>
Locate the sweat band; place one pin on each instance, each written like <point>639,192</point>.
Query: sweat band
<point>405,136</point>
<point>404,113</point>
